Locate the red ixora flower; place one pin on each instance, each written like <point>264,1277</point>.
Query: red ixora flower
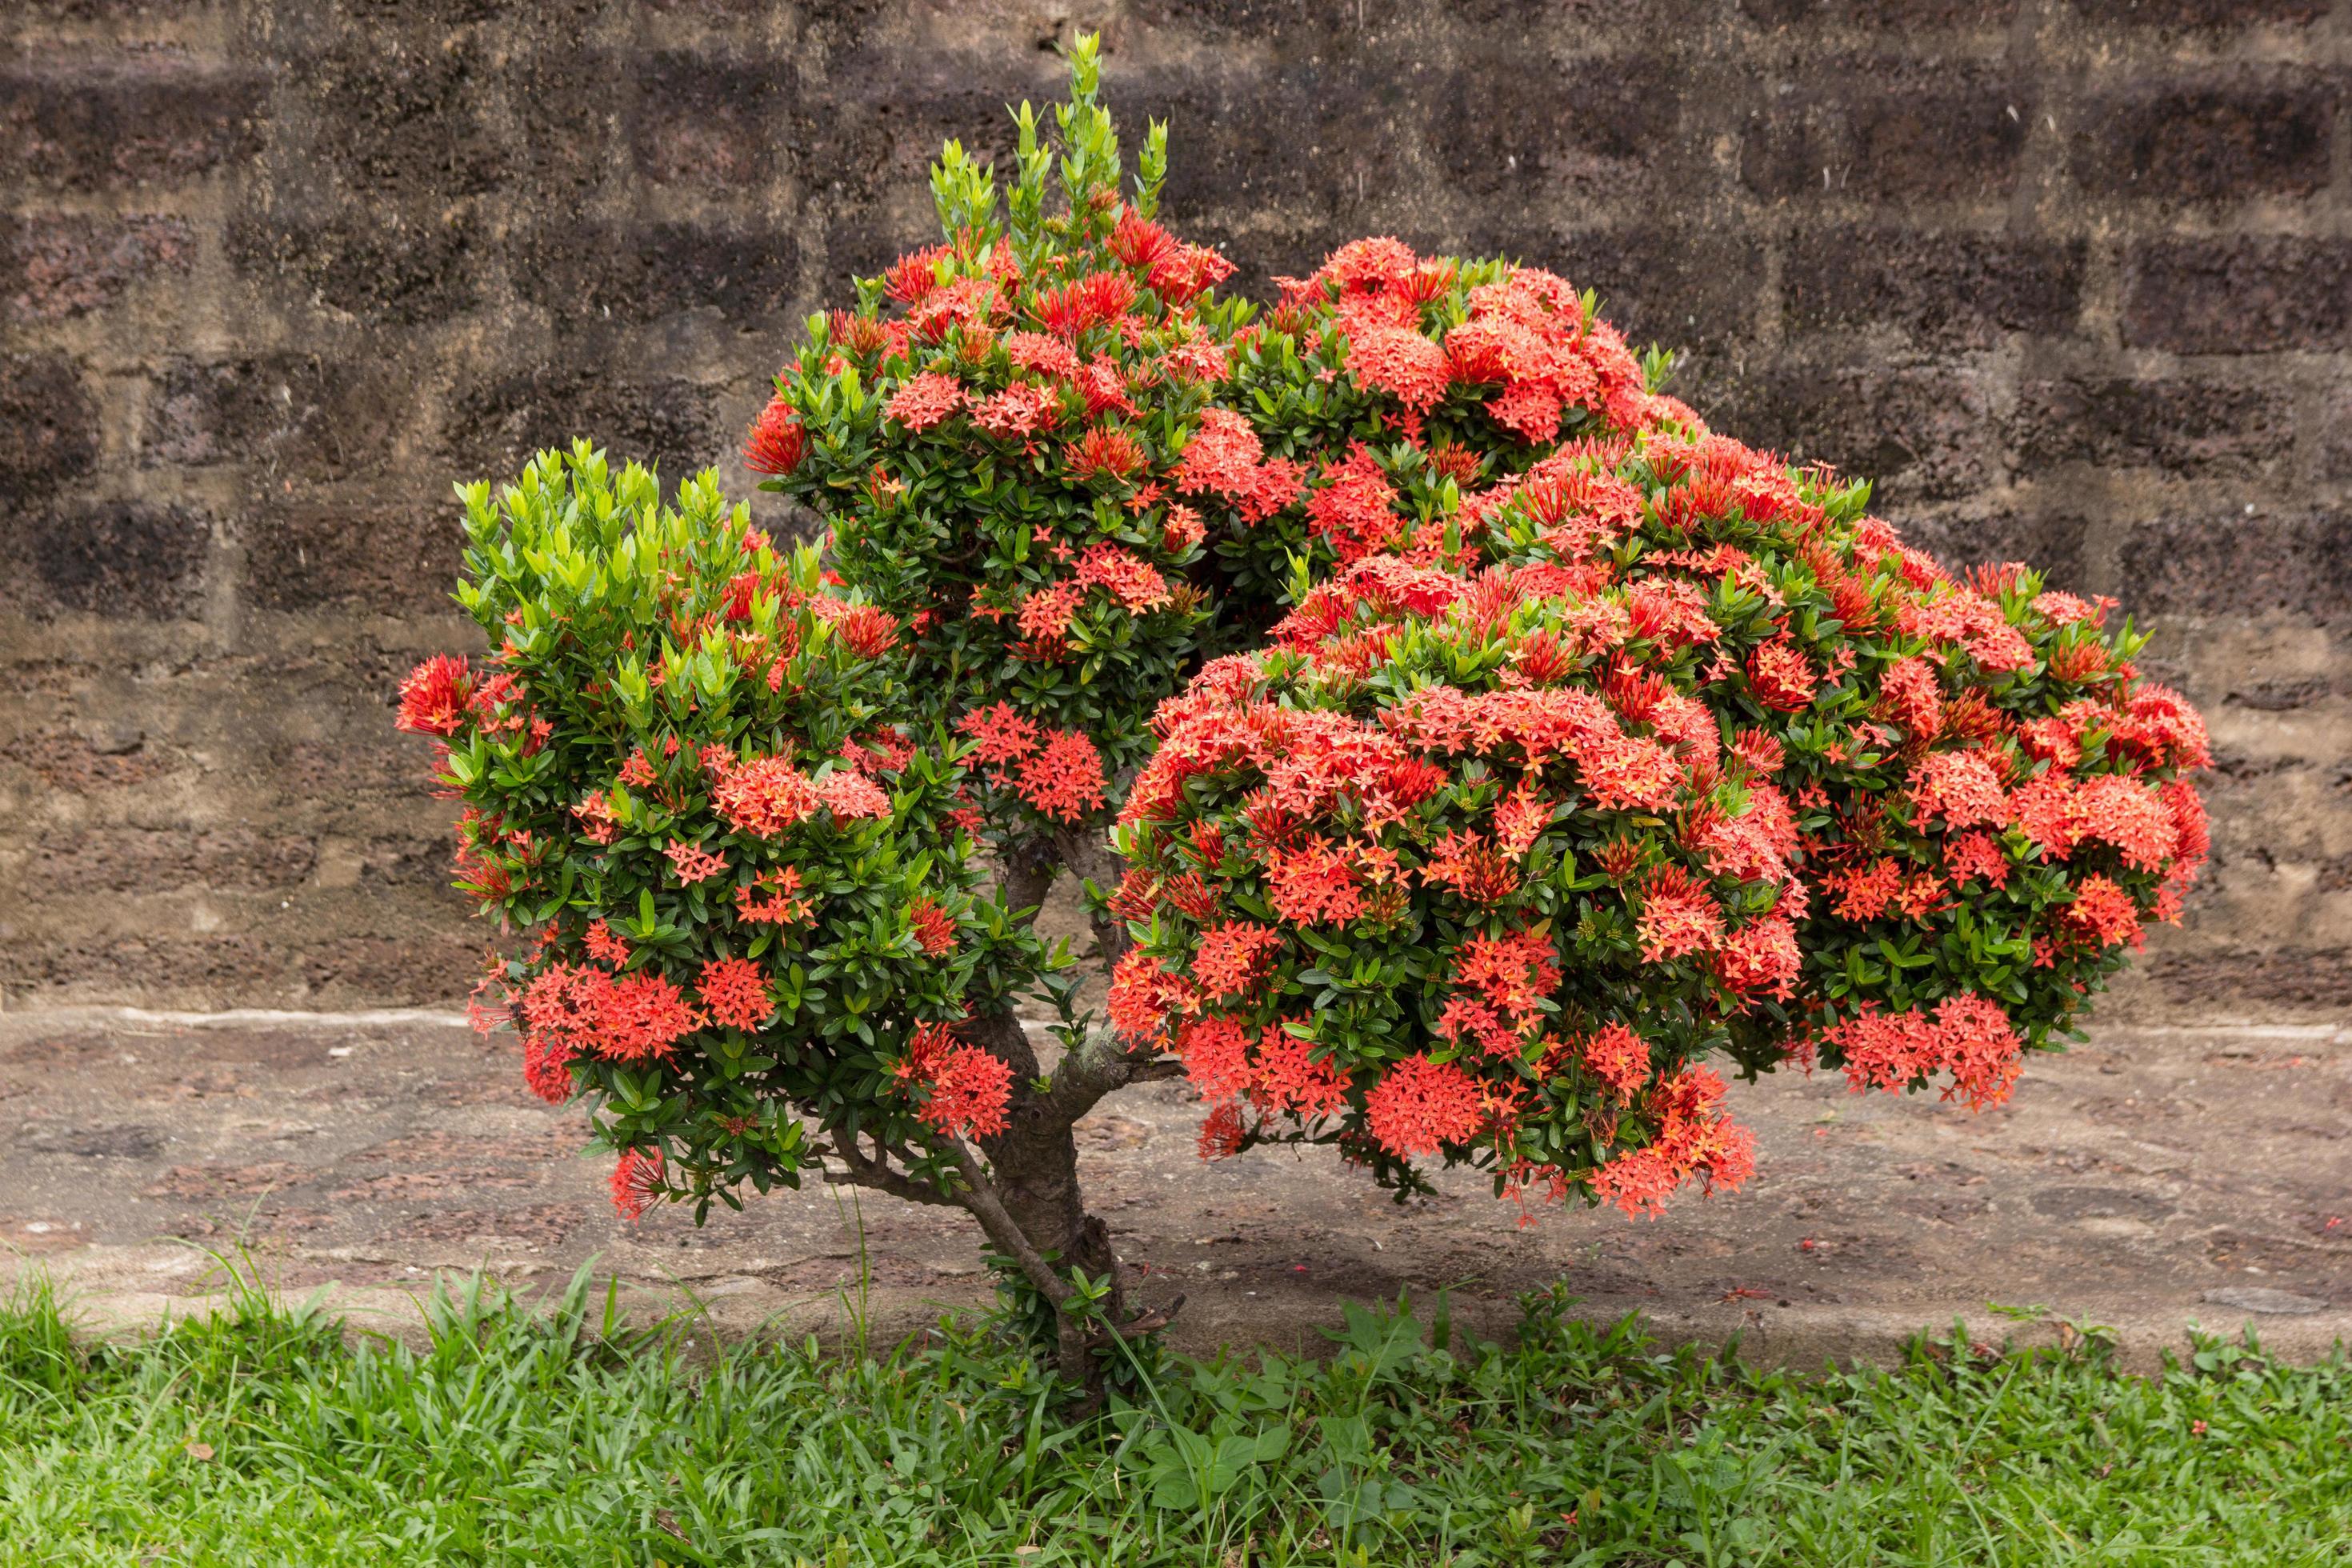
<point>1233,957</point>
<point>1969,1036</point>
<point>637,1181</point>
<point>1064,779</point>
<point>933,927</point>
<point>925,400</point>
<point>1420,1105</point>
<point>433,697</point>
<point>735,993</point>
<point>777,440</point>
<point>1104,452</point>
<point>868,630</point>
<point>772,898</point>
<point>694,863</point>
<point>1781,677</point>
<point>1398,359</point>
<point>1618,1058</point>
<point>970,1090</point>
<point>850,795</point>
<point>765,796</point>
<point>604,946</point>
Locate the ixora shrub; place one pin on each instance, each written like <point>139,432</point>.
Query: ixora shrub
<point>1465,744</point>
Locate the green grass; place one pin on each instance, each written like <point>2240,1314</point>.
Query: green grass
<point>561,1437</point>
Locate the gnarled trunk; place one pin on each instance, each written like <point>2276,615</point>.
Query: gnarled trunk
<point>1034,1175</point>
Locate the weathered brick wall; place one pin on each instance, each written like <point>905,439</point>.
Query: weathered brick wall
<point>2073,277</point>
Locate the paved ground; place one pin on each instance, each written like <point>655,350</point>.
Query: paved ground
<point>2156,1178</point>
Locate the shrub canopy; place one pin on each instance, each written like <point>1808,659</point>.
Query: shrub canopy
<point>748,887</point>
<point>1492,744</point>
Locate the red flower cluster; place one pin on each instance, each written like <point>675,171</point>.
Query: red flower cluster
<point>1058,772</point>
<point>433,697</point>
<point>777,441</point>
<point>1969,1036</point>
<point>601,753</point>
<point>1620,772</point>
<point>637,1180</point>
<point>1694,1139</point>
<point>967,1089</point>
<point>570,1010</point>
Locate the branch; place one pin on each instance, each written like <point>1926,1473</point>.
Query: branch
<point>980,1197</point>
<point>1097,1066</point>
<point>864,1172</point>
<point>1150,1322</point>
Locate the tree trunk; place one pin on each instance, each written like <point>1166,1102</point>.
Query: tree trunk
<point>1027,874</point>
<point>1037,1177</point>
<point>1089,854</point>
<point>1034,1164</point>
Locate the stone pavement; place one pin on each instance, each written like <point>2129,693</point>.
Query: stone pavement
<point>2155,1178</point>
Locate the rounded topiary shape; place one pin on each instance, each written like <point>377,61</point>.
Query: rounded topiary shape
<point>1386,390</point>
<point>1686,755</point>
<point>745,888</point>
<point>995,435</point>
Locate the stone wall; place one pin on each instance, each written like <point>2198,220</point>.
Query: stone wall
<point>2072,278</point>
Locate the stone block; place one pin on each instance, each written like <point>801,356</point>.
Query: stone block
<point>61,264</point>
<point>1905,129</point>
<point>2237,293</point>
<point>2206,141</point>
<point>48,425</point>
<point>1918,433</point>
<point>385,557</point>
<point>301,416</point>
<point>115,558</point>
<point>706,123</point>
<point>2191,428</point>
<point>2235,567</point>
<point>2201,16</point>
<point>1941,290</point>
<point>1516,122</point>
<point>585,274</point>
<point>384,265</point>
<point>497,424</point>
<point>393,114</point>
<point>127,118</point>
